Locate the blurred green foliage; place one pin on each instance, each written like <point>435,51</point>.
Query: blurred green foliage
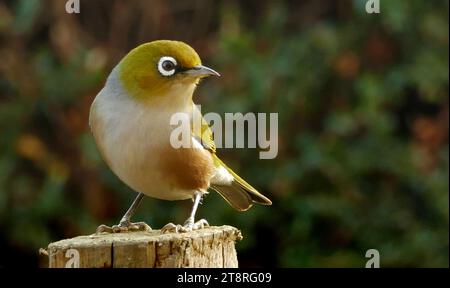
<point>363,114</point>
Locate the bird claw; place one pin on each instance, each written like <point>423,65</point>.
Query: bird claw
<point>171,228</point>
<point>124,227</point>
<point>188,226</point>
<point>200,224</point>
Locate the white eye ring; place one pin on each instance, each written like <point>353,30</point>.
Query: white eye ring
<point>161,68</point>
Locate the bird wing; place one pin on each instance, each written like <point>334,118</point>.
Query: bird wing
<point>239,194</point>
<point>202,134</point>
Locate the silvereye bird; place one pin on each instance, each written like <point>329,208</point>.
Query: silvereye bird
<point>130,121</point>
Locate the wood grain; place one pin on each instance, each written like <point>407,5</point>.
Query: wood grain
<point>209,247</point>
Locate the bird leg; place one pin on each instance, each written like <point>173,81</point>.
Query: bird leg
<point>190,223</point>
<point>125,224</point>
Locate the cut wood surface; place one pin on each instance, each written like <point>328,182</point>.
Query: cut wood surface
<point>208,247</point>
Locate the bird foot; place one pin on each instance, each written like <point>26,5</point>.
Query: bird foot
<point>125,226</point>
<point>188,226</point>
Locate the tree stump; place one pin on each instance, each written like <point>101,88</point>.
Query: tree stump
<point>208,247</point>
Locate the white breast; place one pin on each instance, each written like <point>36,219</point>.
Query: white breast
<point>130,135</point>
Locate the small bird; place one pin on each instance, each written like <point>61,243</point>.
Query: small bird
<point>130,121</point>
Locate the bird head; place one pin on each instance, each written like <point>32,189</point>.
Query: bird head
<point>161,68</point>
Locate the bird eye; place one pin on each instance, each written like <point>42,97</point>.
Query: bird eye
<point>167,66</point>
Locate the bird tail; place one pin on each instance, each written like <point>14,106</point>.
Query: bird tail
<point>239,194</point>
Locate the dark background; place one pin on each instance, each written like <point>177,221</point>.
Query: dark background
<point>363,109</point>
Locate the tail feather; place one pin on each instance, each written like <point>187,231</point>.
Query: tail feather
<point>239,194</point>
<point>234,195</point>
<point>239,197</point>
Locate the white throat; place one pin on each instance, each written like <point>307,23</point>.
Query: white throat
<point>123,122</point>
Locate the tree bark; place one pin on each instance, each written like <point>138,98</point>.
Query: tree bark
<point>208,247</point>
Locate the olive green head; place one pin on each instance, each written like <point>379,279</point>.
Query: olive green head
<point>156,68</point>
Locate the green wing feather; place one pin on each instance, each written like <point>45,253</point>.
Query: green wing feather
<point>239,194</point>
<point>203,134</point>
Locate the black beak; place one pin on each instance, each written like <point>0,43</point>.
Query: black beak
<point>201,71</point>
